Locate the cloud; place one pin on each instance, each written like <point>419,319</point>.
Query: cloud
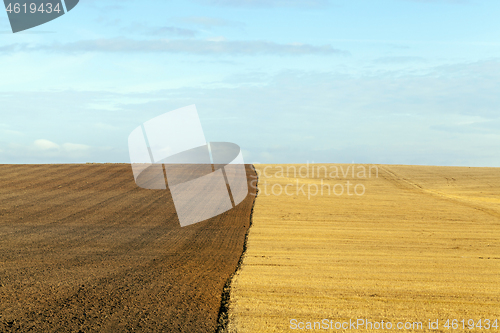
<point>203,47</point>
<point>266,3</point>
<point>46,151</point>
<point>43,144</point>
<point>10,132</point>
<point>6,131</point>
<point>399,60</point>
<point>46,145</point>
<point>217,39</point>
<point>159,30</point>
<point>208,22</point>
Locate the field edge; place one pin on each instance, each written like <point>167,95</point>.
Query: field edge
<point>223,317</point>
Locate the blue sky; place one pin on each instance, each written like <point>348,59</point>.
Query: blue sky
<point>290,81</point>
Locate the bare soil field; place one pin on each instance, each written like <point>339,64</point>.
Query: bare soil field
<point>83,249</point>
<point>402,244</point>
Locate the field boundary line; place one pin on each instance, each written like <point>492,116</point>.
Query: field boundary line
<point>223,318</point>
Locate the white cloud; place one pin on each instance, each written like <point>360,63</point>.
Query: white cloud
<point>399,60</point>
<point>43,144</point>
<point>47,145</point>
<point>54,149</point>
<point>46,151</point>
<point>209,22</point>
<point>217,39</point>
<point>4,130</point>
<point>190,46</point>
<point>148,30</point>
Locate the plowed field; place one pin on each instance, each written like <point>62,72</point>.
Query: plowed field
<point>83,249</point>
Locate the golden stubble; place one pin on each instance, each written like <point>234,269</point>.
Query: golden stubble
<point>421,243</point>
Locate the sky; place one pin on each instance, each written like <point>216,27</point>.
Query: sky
<point>289,81</point>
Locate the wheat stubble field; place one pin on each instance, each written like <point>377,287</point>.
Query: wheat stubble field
<point>83,249</point>
<point>422,243</point>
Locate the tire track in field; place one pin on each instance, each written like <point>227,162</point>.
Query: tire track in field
<point>404,183</point>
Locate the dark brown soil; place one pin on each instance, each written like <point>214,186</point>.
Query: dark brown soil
<point>83,249</point>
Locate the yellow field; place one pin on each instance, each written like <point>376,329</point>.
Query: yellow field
<point>422,243</point>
